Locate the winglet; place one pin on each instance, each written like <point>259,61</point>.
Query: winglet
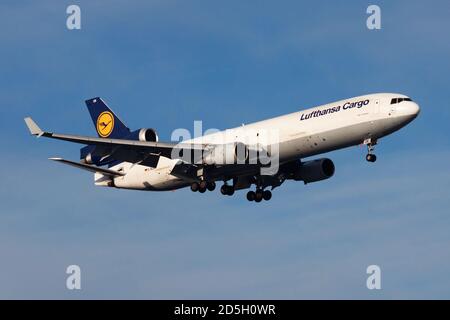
<point>33,127</point>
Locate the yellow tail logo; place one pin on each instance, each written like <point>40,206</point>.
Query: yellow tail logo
<point>105,124</point>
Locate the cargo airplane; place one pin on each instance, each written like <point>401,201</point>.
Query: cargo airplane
<point>137,160</point>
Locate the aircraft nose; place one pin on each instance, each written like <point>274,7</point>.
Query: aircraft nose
<point>414,109</point>
<point>408,108</point>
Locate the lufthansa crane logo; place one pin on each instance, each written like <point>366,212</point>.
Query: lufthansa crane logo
<point>105,124</point>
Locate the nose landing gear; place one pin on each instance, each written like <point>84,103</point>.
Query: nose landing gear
<point>370,157</point>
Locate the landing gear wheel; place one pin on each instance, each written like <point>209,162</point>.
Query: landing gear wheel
<point>227,190</point>
<point>223,189</point>
<point>202,190</point>
<point>251,196</point>
<point>371,157</point>
<point>258,195</point>
<point>202,184</point>
<point>211,186</point>
<point>370,148</point>
<point>267,195</point>
<point>195,186</point>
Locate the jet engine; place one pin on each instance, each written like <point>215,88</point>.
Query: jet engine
<point>148,135</point>
<point>94,155</point>
<point>144,134</point>
<point>314,170</point>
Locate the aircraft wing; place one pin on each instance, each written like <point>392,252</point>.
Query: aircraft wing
<point>141,148</point>
<point>91,168</point>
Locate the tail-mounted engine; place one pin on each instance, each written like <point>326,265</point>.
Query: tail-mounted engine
<point>99,156</point>
<point>144,134</point>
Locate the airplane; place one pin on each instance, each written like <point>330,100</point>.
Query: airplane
<point>239,157</point>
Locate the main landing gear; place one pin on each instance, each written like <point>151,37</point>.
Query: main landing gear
<point>370,157</point>
<point>202,186</point>
<point>227,190</point>
<point>259,195</point>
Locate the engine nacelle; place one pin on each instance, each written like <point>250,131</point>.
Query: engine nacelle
<point>93,155</point>
<point>315,170</point>
<point>231,153</point>
<point>98,160</point>
<point>144,134</point>
<point>90,159</point>
<point>148,135</point>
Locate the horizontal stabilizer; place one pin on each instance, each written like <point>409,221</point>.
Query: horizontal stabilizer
<point>88,167</point>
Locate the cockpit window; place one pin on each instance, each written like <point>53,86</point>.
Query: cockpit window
<point>398,100</point>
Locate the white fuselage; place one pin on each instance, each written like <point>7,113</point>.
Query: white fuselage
<point>298,135</point>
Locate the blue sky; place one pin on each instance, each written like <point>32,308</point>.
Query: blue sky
<point>164,64</point>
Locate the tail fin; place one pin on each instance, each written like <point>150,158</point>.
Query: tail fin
<point>106,123</point>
